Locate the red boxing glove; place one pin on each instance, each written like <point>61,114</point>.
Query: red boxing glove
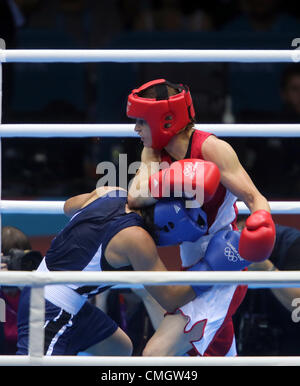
<point>189,177</point>
<point>258,237</point>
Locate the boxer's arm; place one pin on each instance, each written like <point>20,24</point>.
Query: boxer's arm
<point>233,176</point>
<point>143,256</point>
<point>258,236</point>
<point>138,193</point>
<point>77,202</point>
<point>74,203</point>
<point>284,295</point>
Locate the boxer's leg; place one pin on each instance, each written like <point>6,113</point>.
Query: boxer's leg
<point>195,325</point>
<point>118,344</point>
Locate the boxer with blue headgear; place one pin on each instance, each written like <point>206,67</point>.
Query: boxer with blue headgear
<point>175,223</point>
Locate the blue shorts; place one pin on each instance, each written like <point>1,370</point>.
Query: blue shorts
<point>65,334</point>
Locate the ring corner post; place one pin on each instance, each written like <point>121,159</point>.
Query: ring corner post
<point>36,325</point>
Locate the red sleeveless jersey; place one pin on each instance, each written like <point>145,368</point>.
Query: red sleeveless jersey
<point>221,211</point>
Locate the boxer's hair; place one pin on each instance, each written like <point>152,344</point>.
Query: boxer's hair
<point>151,92</point>
<point>147,214</point>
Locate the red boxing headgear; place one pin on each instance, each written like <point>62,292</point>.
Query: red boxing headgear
<point>165,115</point>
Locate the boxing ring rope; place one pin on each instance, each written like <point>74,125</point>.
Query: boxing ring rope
<point>56,207</point>
<point>37,280</point>
<point>127,130</point>
<point>155,55</point>
<point>9,360</point>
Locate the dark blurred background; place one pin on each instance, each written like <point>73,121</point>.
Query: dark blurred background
<point>76,93</point>
<point>56,168</point>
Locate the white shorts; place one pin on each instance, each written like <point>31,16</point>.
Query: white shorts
<point>214,308</point>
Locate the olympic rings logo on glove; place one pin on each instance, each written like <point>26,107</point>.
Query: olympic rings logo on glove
<point>190,169</point>
<point>232,254</point>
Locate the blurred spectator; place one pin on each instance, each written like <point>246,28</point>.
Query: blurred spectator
<point>262,15</point>
<point>13,238</point>
<point>290,93</point>
<point>7,26</point>
<point>196,16</point>
<point>168,15</point>
<point>11,19</point>
<point>273,157</point>
<point>261,24</point>
<point>74,17</point>
<point>206,16</point>
<point>39,13</point>
<point>104,22</point>
<point>164,15</point>
<point>16,255</point>
<point>264,321</point>
<point>28,6</point>
<point>135,16</point>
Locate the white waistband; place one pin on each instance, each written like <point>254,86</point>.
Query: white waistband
<point>62,296</point>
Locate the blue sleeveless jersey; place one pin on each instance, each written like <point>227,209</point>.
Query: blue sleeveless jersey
<point>285,237</point>
<point>81,245</point>
<point>72,324</point>
<point>89,229</point>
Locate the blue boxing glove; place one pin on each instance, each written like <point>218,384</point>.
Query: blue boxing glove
<point>221,255</point>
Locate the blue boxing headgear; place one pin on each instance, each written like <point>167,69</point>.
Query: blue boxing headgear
<point>175,223</point>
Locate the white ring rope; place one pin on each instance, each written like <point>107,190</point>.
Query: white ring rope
<point>278,279</point>
<point>10,360</point>
<point>56,207</point>
<point>39,279</point>
<point>127,130</point>
<point>155,55</point>
<point>31,207</point>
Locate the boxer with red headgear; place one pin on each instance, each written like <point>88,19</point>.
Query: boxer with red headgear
<point>165,114</point>
<point>254,244</point>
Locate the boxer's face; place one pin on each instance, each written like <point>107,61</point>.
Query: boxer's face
<point>144,131</point>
